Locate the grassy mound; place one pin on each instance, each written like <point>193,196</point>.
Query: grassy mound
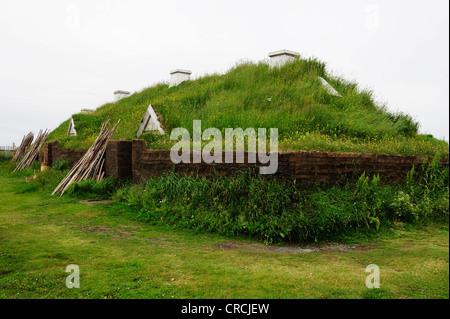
<point>290,98</point>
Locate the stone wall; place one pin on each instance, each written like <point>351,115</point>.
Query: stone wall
<point>312,166</point>
<point>53,153</point>
<point>132,159</point>
<point>118,159</point>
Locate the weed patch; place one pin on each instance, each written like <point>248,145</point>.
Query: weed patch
<point>263,208</point>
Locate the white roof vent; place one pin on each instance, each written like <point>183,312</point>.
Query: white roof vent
<point>178,76</point>
<point>278,58</point>
<point>119,94</point>
<point>86,111</point>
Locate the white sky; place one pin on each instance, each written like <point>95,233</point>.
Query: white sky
<point>57,57</point>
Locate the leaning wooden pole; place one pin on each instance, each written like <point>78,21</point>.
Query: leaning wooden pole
<point>88,166</point>
<point>33,152</point>
<point>21,150</point>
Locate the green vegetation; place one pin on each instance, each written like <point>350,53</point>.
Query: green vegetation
<point>94,190</point>
<point>265,209</point>
<point>260,207</point>
<point>6,167</point>
<point>88,189</point>
<point>290,98</point>
<point>195,237</point>
<point>120,258</point>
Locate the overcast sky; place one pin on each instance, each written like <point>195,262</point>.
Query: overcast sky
<point>57,57</point>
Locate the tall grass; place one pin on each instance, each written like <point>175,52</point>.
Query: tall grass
<point>260,207</point>
<point>290,98</point>
<point>46,181</point>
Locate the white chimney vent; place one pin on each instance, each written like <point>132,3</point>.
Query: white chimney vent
<point>178,76</point>
<point>86,111</point>
<point>278,58</point>
<point>119,94</point>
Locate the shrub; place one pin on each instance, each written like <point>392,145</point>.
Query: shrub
<point>93,189</point>
<point>61,165</point>
<point>264,208</point>
<point>49,178</point>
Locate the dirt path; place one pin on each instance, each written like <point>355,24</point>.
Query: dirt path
<point>293,248</point>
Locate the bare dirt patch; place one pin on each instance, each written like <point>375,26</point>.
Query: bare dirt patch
<point>125,232</point>
<point>116,233</point>
<point>293,248</point>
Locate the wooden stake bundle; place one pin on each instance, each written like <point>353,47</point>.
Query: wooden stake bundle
<point>26,142</point>
<point>90,165</point>
<point>33,152</point>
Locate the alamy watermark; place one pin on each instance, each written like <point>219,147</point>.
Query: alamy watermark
<point>373,279</point>
<point>212,152</point>
<point>73,280</point>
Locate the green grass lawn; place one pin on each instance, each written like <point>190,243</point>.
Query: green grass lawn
<point>120,258</point>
